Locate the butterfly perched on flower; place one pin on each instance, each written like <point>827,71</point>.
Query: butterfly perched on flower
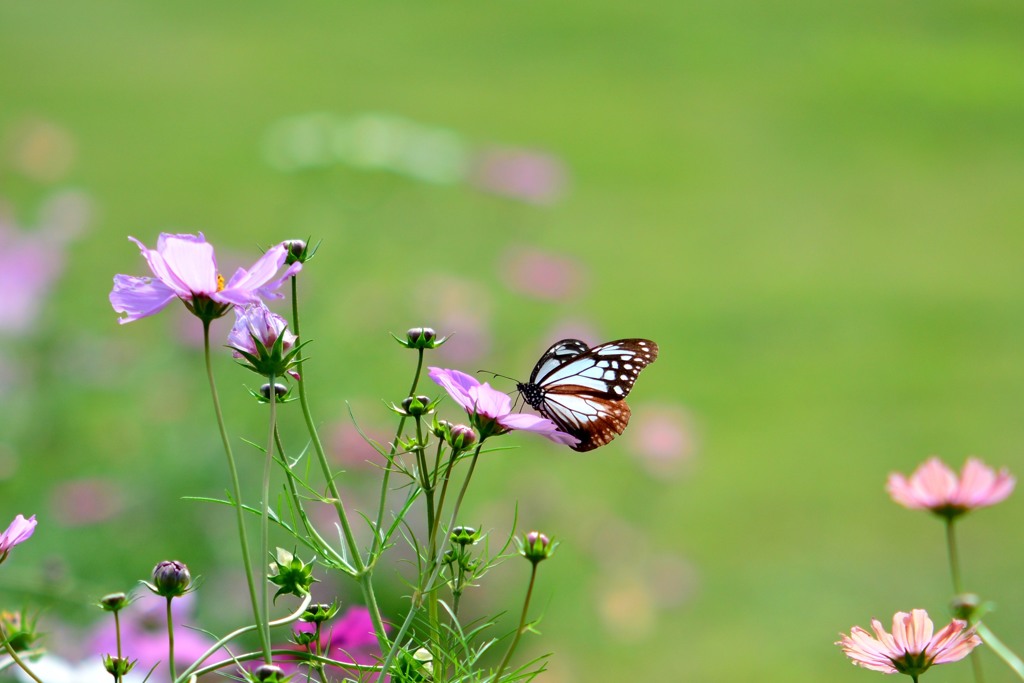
<point>582,389</point>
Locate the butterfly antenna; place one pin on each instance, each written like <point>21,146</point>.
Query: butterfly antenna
<point>498,374</point>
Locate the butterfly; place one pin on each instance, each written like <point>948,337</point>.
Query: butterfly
<point>582,389</point>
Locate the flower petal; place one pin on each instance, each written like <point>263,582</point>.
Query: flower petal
<point>538,425</point>
<point>139,297</point>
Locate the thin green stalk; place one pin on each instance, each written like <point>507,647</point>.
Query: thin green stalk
<point>954,571</point>
<point>14,656</point>
<point>292,654</point>
<point>385,480</point>
<point>1003,652</point>
<point>362,572</point>
<point>954,561</point>
<point>417,597</point>
<point>522,624</point>
<point>193,668</point>
<point>265,516</point>
<point>170,639</point>
<point>242,536</point>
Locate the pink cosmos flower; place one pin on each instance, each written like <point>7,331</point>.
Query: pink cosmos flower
<point>19,531</point>
<point>934,486</point>
<point>184,267</point>
<point>912,646</point>
<point>491,410</point>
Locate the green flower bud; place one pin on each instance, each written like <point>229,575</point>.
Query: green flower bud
<point>297,251</point>
<point>464,535</point>
<point>20,630</point>
<point>114,602</point>
<point>421,338</point>
<point>320,612</point>
<point>118,667</point>
<point>415,406</point>
<point>291,574</point>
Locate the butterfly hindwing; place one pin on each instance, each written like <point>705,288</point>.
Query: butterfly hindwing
<point>581,389</point>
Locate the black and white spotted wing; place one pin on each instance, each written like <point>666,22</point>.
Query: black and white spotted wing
<point>581,389</point>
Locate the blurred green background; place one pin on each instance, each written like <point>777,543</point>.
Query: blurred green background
<point>814,208</point>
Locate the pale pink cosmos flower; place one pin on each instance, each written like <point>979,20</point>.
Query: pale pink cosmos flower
<point>19,531</point>
<point>934,486</point>
<point>256,322</point>
<point>543,274</point>
<point>491,410</point>
<point>184,267</point>
<point>912,646</point>
<point>527,175</point>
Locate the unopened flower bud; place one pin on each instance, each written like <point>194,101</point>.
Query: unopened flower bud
<point>280,391</point>
<point>171,579</point>
<point>297,251</point>
<point>269,673</point>
<point>965,605</point>
<point>114,602</point>
<point>461,437</point>
<point>118,667</point>
<point>536,547</point>
<point>421,338</point>
<point>416,405</point>
<point>320,612</point>
<point>303,638</point>
<point>291,574</point>
<point>20,630</point>
<point>464,535</point>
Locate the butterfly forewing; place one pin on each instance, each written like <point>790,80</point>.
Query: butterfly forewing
<point>582,389</point>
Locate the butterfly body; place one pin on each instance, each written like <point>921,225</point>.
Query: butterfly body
<point>582,389</point>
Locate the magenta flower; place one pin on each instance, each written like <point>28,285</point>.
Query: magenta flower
<point>350,638</point>
<point>934,486</point>
<point>491,410</point>
<point>19,531</point>
<point>184,267</point>
<point>912,647</point>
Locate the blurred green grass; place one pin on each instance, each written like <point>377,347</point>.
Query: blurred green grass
<point>813,208</point>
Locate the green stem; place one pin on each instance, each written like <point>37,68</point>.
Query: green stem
<point>293,654</point>
<point>1003,652</point>
<point>522,624</point>
<point>362,571</point>
<point>265,516</point>
<point>242,536</point>
<point>193,668</point>
<point>170,640</point>
<point>14,656</point>
<point>417,597</point>
<point>954,560</point>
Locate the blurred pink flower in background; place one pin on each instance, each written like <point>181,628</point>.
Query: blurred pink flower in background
<point>527,175</point>
<point>85,501</point>
<point>349,638</point>
<point>912,647</point>
<point>458,307</point>
<point>542,274</point>
<point>144,634</point>
<point>29,265</point>
<point>661,438</point>
<point>349,447</point>
<point>934,486</point>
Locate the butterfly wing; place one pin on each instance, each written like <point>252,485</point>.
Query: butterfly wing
<point>582,389</point>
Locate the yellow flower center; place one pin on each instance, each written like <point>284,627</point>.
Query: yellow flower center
<point>220,282</point>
